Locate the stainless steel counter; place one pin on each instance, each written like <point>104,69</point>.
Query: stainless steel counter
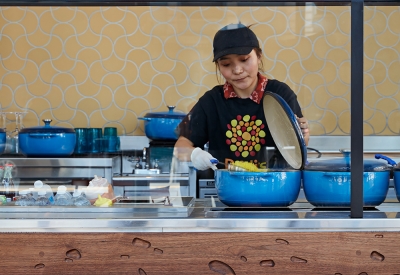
<point>300,217</point>
<point>64,168</point>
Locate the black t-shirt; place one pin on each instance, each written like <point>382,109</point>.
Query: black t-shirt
<point>235,128</point>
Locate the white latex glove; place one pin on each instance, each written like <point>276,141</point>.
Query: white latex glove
<point>201,159</point>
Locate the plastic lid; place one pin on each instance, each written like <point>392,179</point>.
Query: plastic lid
<point>342,164</point>
<point>285,130</point>
<point>47,128</point>
<point>42,192</point>
<point>38,184</point>
<point>76,193</point>
<point>61,189</point>
<point>2,130</point>
<point>98,181</point>
<point>169,114</point>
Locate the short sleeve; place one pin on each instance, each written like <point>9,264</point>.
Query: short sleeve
<point>194,126</point>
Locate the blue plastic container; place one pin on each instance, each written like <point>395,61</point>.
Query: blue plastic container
<point>327,183</point>
<point>258,189</point>
<point>47,141</point>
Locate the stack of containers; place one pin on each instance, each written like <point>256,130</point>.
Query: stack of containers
<point>111,140</point>
<point>91,140</point>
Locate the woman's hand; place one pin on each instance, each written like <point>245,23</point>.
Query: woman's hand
<point>304,128</point>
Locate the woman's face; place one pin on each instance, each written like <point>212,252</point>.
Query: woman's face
<point>240,71</point>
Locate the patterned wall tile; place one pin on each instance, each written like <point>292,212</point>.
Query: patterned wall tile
<point>108,66</point>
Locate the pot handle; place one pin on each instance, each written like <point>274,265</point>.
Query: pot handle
<point>335,174</point>
<point>42,135</point>
<point>389,160</point>
<point>144,118</point>
<point>249,173</point>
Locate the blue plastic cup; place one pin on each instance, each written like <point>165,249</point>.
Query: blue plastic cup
<point>111,144</point>
<point>81,141</point>
<point>110,131</point>
<point>94,140</point>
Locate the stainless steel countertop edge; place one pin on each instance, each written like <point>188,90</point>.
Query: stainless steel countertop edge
<point>198,226</point>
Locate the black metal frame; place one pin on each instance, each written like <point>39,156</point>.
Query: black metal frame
<point>357,55</point>
<point>191,3</point>
<point>357,96</point>
<point>201,3</point>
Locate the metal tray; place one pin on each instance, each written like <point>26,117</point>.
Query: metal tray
<point>178,207</point>
<point>301,209</point>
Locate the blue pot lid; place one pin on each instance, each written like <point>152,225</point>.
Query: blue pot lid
<point>342,164</point>
<point>168,114</point>
<point>285,130</point>
<point>46,128</point>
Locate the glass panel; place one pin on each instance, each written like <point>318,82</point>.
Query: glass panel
<point>107,66</point>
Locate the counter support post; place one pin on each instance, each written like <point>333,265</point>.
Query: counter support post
<point>356,108</point>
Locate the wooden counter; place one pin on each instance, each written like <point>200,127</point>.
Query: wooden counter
<point>298,242</point>
<point>201,253</point>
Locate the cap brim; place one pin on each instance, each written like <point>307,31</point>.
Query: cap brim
<point>239,50</point>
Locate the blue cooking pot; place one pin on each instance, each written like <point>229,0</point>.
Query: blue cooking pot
<point>47,141</point>
<point>2,140</point>
<point>327,183</point>
<point>253,189</point>
<point>396,179</point>
<point>396,173</point>
<point>162,125</point>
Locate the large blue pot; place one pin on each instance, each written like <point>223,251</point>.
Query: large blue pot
<point>396,179</point>
<point>2,140</point>
<point>396,173</point>
<point>322,188</point>
<point>47,141</point>
<point>162,125</point>
<point>327,183</point>
<point>253,189</point>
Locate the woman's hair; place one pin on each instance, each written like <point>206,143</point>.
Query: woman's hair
<point>260,66</point>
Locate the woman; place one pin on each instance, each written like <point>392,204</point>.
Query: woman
<point>230,117</point>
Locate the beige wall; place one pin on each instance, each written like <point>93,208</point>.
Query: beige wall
<point>97,67</point>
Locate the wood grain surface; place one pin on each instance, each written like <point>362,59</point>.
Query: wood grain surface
<point>333,253</point>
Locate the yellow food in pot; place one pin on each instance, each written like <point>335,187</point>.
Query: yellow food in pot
<point>246,165</point>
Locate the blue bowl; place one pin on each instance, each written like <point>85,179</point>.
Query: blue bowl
<point>326,189</point>
<point>254,189</point>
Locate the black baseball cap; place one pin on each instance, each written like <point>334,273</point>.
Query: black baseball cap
<point>234,39</point>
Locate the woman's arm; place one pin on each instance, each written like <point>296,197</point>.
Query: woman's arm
<point>304,128</point>
<point>183,149</point>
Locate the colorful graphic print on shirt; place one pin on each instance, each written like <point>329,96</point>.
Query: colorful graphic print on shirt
<point>245,135</point>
